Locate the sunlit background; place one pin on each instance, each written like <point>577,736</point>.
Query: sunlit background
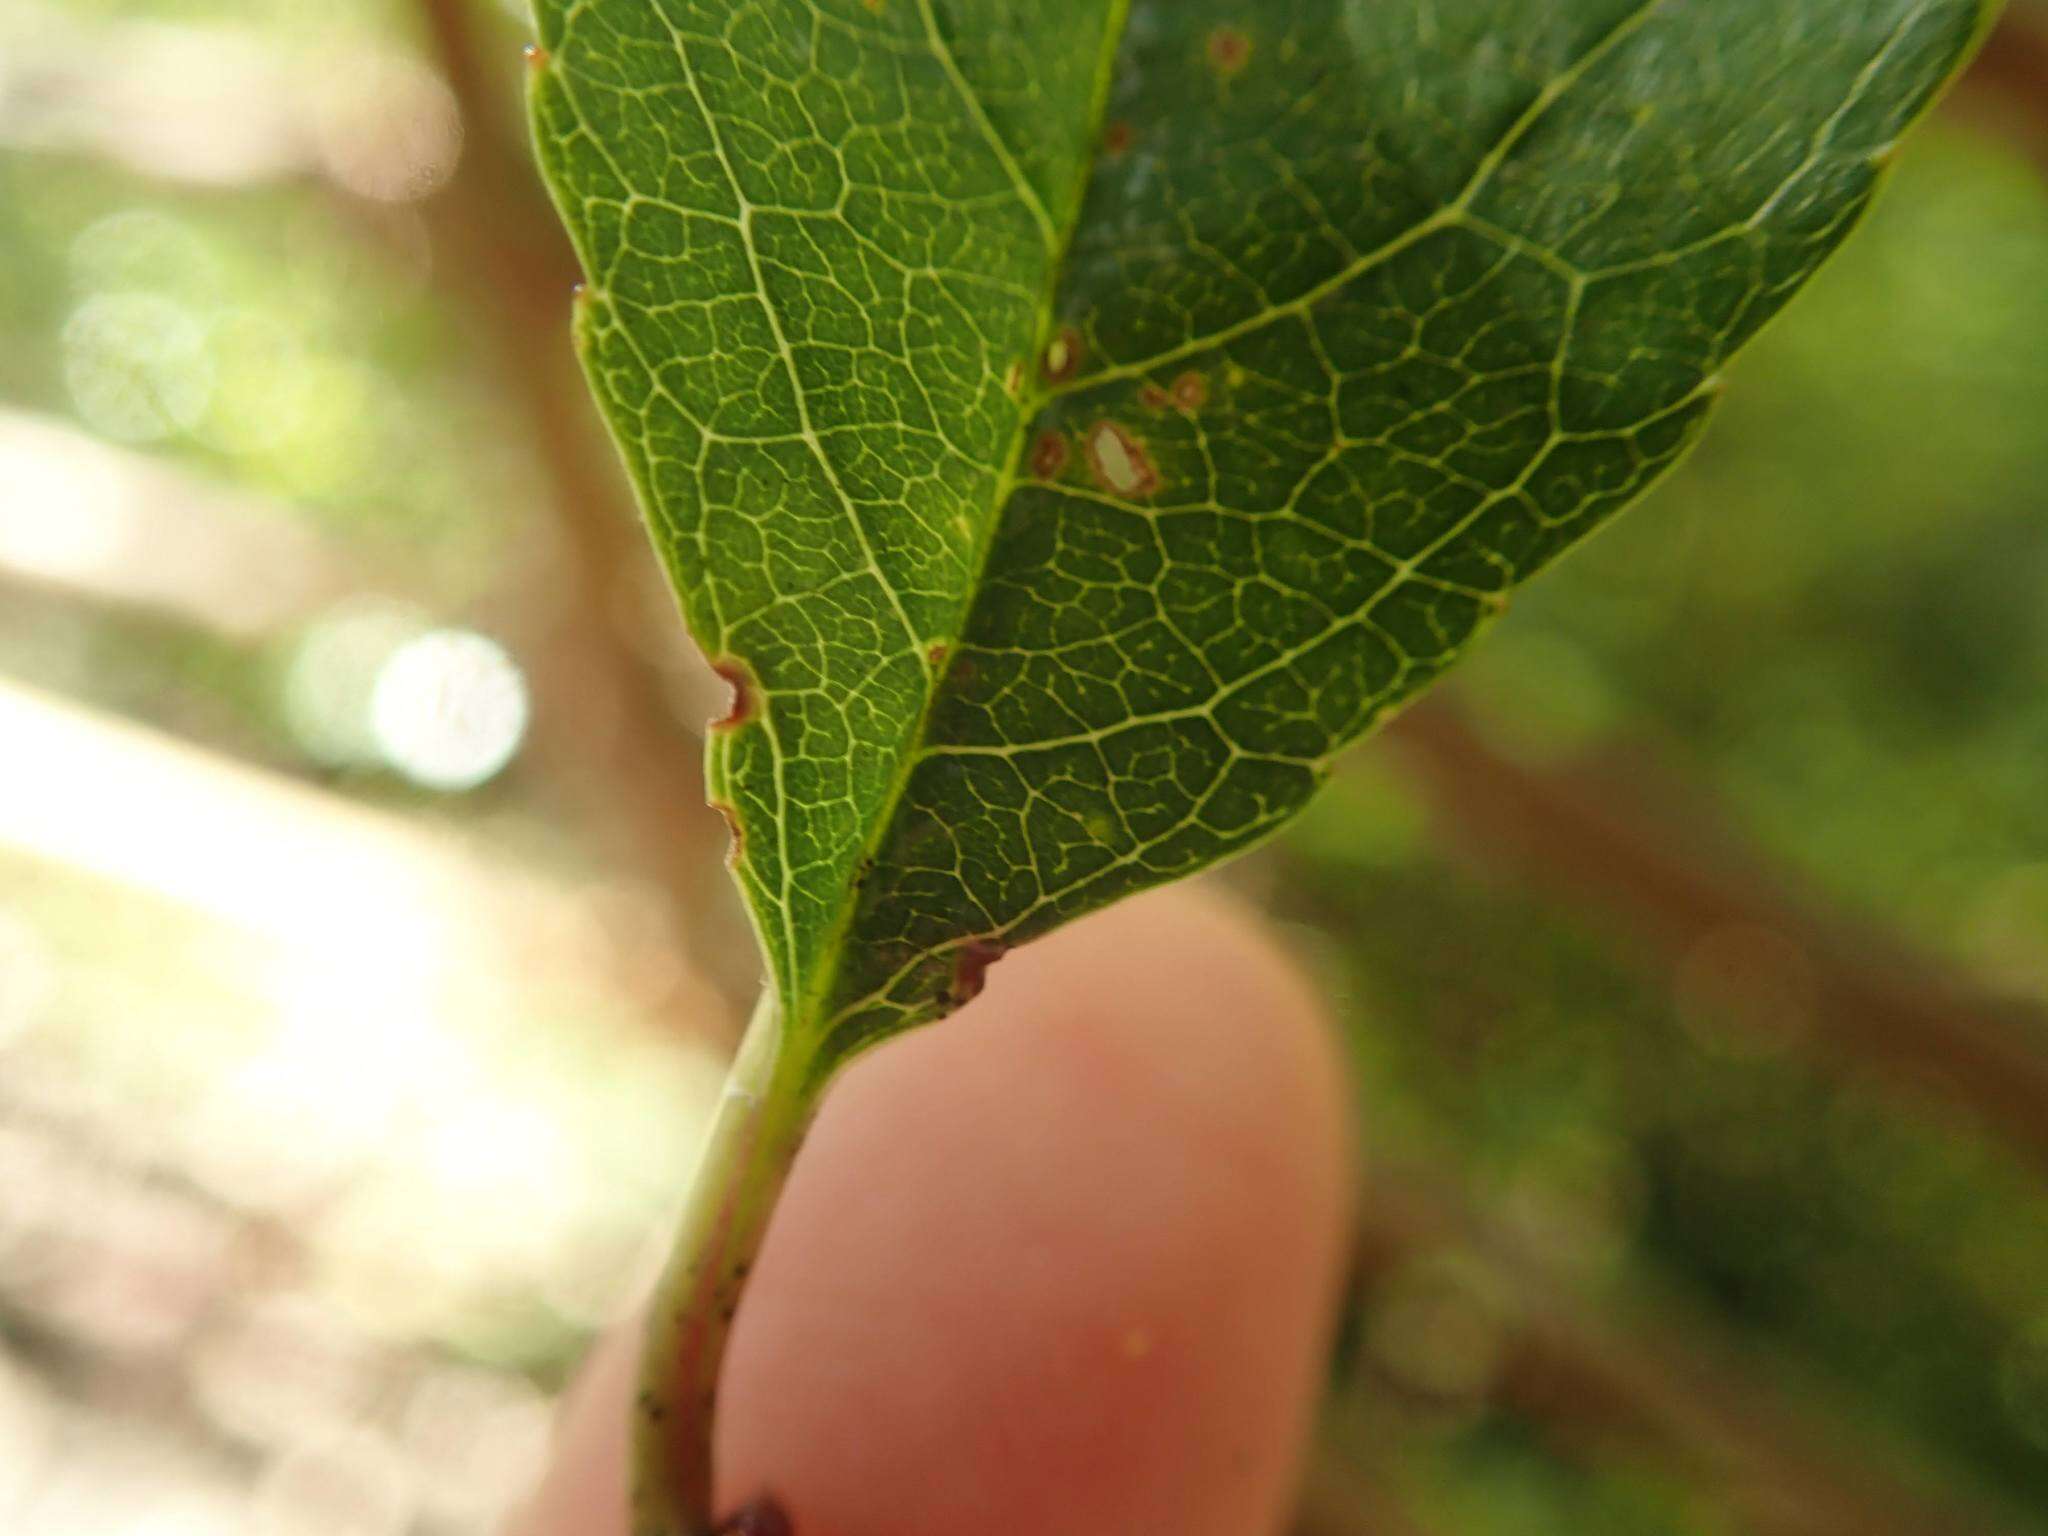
<point>366,961</point>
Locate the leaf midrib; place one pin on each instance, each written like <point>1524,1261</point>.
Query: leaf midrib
<point>817,995</point>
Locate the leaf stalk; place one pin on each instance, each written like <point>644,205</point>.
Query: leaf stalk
<point>753,1138</point>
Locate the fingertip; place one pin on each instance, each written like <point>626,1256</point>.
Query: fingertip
<point>584,1489</point>
<point>1063,1264</point>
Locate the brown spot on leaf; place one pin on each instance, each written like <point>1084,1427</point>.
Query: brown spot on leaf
<point>1062,356</point>
<point>762,1516</point>
<point>970,968</point>
<point>936,653</point>
<point>1190,391</point>
<point>536,56</point>
<point>1153,398</point>
<point>1118,461</point>
<point>736,849</point>
<point>1048,455</point>
<point>1013,380</point>
<point>1229,50</point>
<point>1116,138</point>
<point>740,707</point>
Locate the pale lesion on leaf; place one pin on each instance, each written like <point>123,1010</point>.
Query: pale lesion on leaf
<point>1119,462</point>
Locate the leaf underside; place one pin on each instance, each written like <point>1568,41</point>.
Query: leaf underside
<point>1071,426</point>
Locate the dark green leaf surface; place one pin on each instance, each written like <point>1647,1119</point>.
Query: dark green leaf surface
<point>1073,427</point>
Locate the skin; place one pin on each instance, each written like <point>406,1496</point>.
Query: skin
<point>1064,1265</point>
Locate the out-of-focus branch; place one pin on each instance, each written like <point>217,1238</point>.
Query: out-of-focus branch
<point>2006,89</point>
<point>1621,837</point>
<point>604,725</point>
<point>1588,1377</point>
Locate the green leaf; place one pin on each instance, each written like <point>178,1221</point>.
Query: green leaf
<point>1071,427</point>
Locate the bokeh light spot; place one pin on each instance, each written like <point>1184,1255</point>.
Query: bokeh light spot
<point>138,366</point>
<point>332,675</point>
<point>450,709</point>
<point>388,129</point>
<point>144,250</point>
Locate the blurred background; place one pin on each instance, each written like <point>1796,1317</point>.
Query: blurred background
<point>366,958</point>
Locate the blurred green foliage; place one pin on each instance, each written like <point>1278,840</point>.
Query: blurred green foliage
<point>1838,614</point>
